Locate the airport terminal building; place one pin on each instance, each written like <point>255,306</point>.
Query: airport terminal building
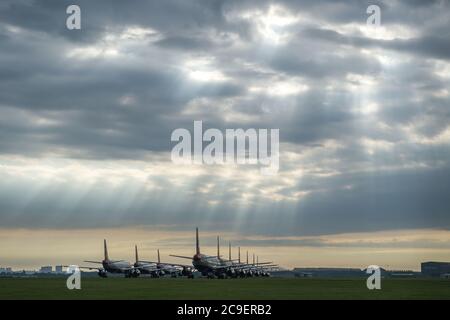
<point>435,269</point>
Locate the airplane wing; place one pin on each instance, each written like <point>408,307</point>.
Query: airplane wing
<point>257,267</point>
<point>170,264</point>
<point>221,267</point>
<point>267,266</point>
<point>244,266</point>
<point>100,262</point>
<point>211,257</point>
<point>253,265</point>
<point>147,266</point>
<point>183,257</point>
<point>128,269</point>
<point>190,258</point>
<point>89,268</point>
<point>179,265</point>
<point>148,263</point>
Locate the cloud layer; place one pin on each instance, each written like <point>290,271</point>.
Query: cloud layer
<point>363,113</point>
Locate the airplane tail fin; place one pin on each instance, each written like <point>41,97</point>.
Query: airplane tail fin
<point>197,244</point>
<point>218,248</point>
<point>159,259</point>
<point>239,254</point>
<point>105,250</point>
<point>136,253</point>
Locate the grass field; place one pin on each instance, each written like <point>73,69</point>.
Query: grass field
<point>255,288</point>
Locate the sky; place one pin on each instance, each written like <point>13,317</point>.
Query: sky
<point>363,114</point>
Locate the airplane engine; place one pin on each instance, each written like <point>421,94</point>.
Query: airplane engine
<point>186,272</point>
<point>135,273</point>
<point>231,272</point>
<point>102,274</point>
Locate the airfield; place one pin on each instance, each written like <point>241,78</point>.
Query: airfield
<point>207,289</point>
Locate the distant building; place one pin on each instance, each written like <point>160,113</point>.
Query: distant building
<point>6,270</point>
<point>46,269</point>
<point>435,269</point>
<point>59,269</point>
<point>28,272</point>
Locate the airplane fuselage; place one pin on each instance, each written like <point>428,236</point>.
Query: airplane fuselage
<point>116,266</point>
<point>208,265</point>
<point>145,268</point>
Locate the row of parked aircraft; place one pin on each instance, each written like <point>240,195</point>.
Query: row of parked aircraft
<point>208,266</point>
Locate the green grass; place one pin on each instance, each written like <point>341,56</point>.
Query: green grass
<point>255,288</point>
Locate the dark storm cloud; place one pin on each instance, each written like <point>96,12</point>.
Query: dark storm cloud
<point>99,16</point>
<point>116,89</point>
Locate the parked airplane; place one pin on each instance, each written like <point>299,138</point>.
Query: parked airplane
<point>244,270</point>
<point>146,267</point>
<point>113,266</point>
<point>173,269</point>
<point>251,269</point>
<point>215,266</point>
